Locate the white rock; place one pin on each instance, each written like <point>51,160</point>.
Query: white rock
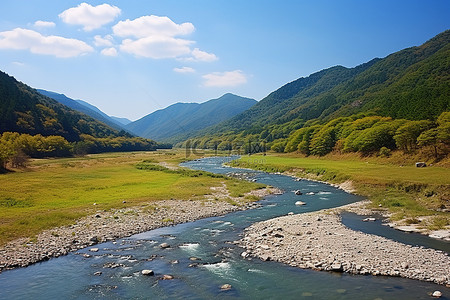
<point>436,294</point>
<point>164,245</point>
<point>147,272</point>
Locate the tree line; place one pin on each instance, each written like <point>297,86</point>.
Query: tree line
<point>16,148</point>
<point>363,133</point>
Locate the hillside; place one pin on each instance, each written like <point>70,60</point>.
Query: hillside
<point>84,108</point>
<point>24,110</point>
<point>413,83</point>
<point>400,102</point>
<point>182,119</point>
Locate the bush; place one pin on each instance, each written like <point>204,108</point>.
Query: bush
<point>384,152</point>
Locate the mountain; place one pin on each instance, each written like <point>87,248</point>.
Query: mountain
<point>84,108</point>
<point>413,84</point>
<point>182,119</point>
<point>123,121</point>
<point>24,110</point>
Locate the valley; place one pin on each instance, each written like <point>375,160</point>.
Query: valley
<point>225,159</point>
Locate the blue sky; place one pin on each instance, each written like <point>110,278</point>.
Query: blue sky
<point>130,57</point>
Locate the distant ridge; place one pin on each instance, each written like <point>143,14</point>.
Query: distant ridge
<point>83,107</point>
<point>123,121</point>
<point>182,119</point>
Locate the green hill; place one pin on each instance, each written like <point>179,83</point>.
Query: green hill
<point>180,120</point>
<point>411,84</point>
<point>24,110</point>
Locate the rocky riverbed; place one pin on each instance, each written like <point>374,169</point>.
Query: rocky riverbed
<point>110,225</point>
<point>320,241</point>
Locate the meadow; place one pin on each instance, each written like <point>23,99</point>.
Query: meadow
<point>408,192</point>
<point>55,192</point>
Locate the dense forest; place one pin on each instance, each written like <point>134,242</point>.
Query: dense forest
<point>367,109</point>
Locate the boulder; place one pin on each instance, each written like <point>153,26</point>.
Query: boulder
<point>421,164</point>
<point>164,245</point>
<point>336,266</point>
<point>147,272</point>
<point>167,277</point>
<point>194,258</point>
<point>300,203</point>
<point>298,192</point>
<point>225,287</point>
<point>244,254</point>
<point>93,249</point>
<point>436,294</point>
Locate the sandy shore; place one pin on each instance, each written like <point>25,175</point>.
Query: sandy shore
<point>320,241</point>
<point>111,225</point>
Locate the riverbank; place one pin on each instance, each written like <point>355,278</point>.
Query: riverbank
<point>320,241</point>
<point>117,223</point>
<point>413,199</point>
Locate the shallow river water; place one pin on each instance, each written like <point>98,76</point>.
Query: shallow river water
<point>202,258</point>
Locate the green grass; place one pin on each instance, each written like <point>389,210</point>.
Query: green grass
<point>405,190</point>
<point>56,192</point>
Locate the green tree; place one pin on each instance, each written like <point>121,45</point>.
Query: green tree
<point>406,135</point>
<point>323,141</point>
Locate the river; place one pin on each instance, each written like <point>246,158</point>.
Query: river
<point>202,258</point>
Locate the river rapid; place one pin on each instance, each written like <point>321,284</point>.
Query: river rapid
<point>202,257</point>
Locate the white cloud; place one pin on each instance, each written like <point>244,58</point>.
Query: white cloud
<point>90,17</point>
<point>184,70</point>
<point>198,55</point>
<point>157,47</point>
<point>147,26</point>
<point>25,39</point>
<point>224,79</point>
<point>158,37</point>
<point>106,41</point>
<point>18,63</point>
<point>44,24</point>
<point>109,52</point>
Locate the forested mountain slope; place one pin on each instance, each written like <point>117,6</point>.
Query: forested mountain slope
<point>413,83</point>
<point>84,108</point>
<point>24,110</point>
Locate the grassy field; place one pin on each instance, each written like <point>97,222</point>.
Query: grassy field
<point>407,191</point>
<point>55,192</point>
